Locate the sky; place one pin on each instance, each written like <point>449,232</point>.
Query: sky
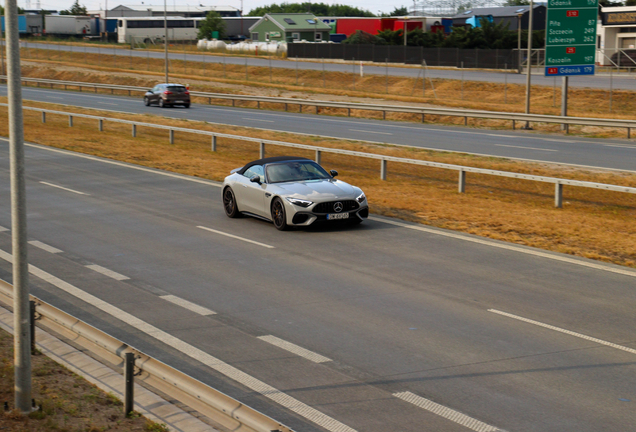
<point>374,6</point>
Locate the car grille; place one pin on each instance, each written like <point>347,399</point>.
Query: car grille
<point>327,207</point>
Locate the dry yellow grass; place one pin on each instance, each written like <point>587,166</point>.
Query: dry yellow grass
<point>594,224</point>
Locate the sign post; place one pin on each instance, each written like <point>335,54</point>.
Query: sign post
<point>570,43</point>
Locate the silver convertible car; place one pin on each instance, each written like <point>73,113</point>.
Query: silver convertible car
<point>292,191</point>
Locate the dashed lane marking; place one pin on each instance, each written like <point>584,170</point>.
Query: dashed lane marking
<point>44,246</point>
<point>568,332</point>
<point>107,272</point>
<point>188,305</point>
<point>63,188</point>
<point>295,349</point>
<point>236,237</point>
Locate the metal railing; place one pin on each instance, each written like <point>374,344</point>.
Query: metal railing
<point>229,412</point>
<point>384,159</point>
<point>423,111</point>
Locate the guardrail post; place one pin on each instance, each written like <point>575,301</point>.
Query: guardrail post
<point>629,133</point>
<point>318,154</point>
<point>348,112</point>
<point>258,104</point>
<point>213,143</point>
<point>171,136</point>
<point>513,125</point>
<point>285,107</point>
<point>43,117</point>
<point>567,128</point>
<point>233,101</point>
<point>129,373</point>
<point>300,108</point>
<point>462,181</point>
<point>383,115</point>
<point>466,121</point>
<point>558,195</point>
<point>262,149</point>
<point>209,101</point>
<point>80,89</point>
<point>70,121</point>
<point>101,125</point>
<point>383,169</point>
<point>134,131</point>
<point>316,109</point>
<point>423,117</point>
<point>32,325</point>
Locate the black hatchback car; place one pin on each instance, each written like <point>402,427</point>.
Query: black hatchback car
<point>166,95</point>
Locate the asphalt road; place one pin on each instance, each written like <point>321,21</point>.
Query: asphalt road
<point>621,81</point>
<point>407,328</point>
<point>612,154</point>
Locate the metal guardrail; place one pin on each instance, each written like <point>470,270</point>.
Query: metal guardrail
<point>206,400</point>
<point>423,111</point>
<point>384,159</point>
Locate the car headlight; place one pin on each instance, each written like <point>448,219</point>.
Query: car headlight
<point>300,202</point>
<point>361,198</point>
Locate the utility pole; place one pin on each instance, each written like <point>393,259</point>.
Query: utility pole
<point>519,42</point>
<point>529,75</point>
<point>22,332</point>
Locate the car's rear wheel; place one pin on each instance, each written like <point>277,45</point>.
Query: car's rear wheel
<point>186,105</point>
<point>278,215</point>
<point>229,203</point>
<point>146,101</point>
<point>162,104</point>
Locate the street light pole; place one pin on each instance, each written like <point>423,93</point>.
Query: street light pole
<point>165,29</point>
<point>22,333</point>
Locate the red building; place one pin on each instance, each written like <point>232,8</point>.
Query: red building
<point>349,25</point>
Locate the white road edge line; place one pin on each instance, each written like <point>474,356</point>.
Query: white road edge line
<point>61,187</point>
<point>370,131</point>
<point>527,148</point>
<point>294,349</point>
<point>44,246</point>
<point>568,332</point>
<point>121,164</point>
<point>236,237</point>
<point>510,247</point>
<point>447,413</point>
<point>107,272</point>
<point>237,375</point>
<point>259,120</point>
<point>188,305</point>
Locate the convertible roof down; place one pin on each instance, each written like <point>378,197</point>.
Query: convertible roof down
<point>270,160</point>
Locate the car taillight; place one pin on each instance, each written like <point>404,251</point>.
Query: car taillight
<point>167,92</point>
<point>186,92</point>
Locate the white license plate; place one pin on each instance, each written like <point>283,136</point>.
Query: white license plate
<point>338,216</point>
<point>178,101</point>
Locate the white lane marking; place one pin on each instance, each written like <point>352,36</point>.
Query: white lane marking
<point>188,305</point>
<point>237,375</point>
<point>107,103</point>
<point>44,246</point>
<point>295,349</point>
<point>559,329</point>
<point>447,413</point>
<point>236,237</point>
<point>522,147</point>
<point>125,165</point>
<point>61,187</point>
<point>3,229</point>
<point>509,247</point>
<point>260,120</point>
<point>619,146</point>
<point>370,131</point>
<point>107,272</point>
<point>505,136</point>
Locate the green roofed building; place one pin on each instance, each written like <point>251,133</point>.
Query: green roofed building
<point>291,27</point>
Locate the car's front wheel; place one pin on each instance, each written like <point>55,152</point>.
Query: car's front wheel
<point>278,215</point>
<point>229,203</point>
<point>146,101</point>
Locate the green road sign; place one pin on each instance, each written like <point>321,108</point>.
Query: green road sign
<point>570,43</point>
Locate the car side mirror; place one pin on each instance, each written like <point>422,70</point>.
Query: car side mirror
<point>333,173</point>
<point>255,179</point>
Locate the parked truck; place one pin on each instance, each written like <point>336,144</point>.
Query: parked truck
<point>28,24</point>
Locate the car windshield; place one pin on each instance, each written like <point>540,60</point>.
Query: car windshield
<point>295,171</point>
